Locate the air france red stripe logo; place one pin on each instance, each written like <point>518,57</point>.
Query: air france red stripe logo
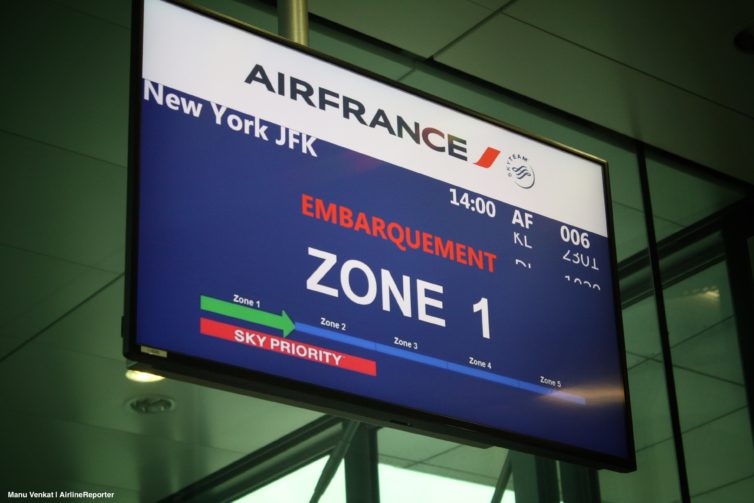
<point>488,157</point>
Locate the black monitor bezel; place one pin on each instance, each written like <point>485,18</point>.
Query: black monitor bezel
<point>223,376</point>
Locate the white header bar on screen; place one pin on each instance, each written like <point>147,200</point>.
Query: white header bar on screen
<point>213,61</point>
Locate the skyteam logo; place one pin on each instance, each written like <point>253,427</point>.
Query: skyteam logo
<point>520,171</point>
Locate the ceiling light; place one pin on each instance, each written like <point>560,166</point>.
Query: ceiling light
<point>138,376</point>
<point>712,294</point>
<point>744,40</point>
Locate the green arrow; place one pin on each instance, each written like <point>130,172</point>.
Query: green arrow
<point>280,321</point>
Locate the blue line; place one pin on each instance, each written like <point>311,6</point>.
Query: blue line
<point>436,362</point>
<point>335,336</point>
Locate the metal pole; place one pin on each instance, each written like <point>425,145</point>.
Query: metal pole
<point>293,20</point>
<point>362,477</point>
<point>579,484</point>
<point>502,480</point>
<point>535,478</point>
<point>328,472</point>
<point>739,253</point>
<point>662,321</point>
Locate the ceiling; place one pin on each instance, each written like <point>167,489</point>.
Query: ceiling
<point>663,72</point>
<point>666,72</point>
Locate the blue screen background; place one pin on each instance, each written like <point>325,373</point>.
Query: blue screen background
<point>220,213</point>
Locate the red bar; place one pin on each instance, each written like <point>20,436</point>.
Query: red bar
<point>488,157</point>
<point>257,339</point>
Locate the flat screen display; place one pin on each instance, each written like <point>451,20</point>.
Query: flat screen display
<point>332,239</point>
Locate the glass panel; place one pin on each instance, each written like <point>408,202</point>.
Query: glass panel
<point>656,478</point>
<point>440,457</point>
<point>709,380</point>
<point>681,199</point>
<point>712,404</point>
<point>400,484</point>
<point>299,486</point>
